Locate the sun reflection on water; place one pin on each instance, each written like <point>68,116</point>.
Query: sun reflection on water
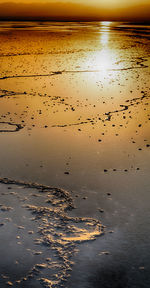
<point>104,55</point>
<point>105,24</point>
<point>104,33</point>
<point>104,58</point>
<point>104,38</point>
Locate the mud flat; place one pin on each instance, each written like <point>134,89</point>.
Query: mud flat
<point>75,117</point>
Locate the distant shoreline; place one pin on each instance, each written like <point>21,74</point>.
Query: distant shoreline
<point>75,20</point>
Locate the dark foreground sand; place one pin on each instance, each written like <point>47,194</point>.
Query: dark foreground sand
<point>38,238</point>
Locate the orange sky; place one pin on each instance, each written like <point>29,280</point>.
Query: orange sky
<point>75,9</point>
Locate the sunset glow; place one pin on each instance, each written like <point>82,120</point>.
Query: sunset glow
<point>75,10</point>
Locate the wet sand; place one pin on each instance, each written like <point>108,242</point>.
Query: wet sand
<point>75,119</point>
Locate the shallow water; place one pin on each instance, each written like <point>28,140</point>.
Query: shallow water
<point>75,115</point>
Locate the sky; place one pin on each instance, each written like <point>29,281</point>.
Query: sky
<point>136,10</point>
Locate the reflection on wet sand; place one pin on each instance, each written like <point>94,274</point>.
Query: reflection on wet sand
<point>77,102</point>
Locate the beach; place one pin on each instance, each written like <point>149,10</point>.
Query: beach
<point>74,161</point>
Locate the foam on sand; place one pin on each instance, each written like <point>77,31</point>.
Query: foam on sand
<point>39,236</point>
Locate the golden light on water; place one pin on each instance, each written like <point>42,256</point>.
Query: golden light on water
<point>105,24</point>
<point>74,113</point>
<point>104,32</point>
<point>104,59</point>
<point>105,55</point>
<point>104,38</point>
